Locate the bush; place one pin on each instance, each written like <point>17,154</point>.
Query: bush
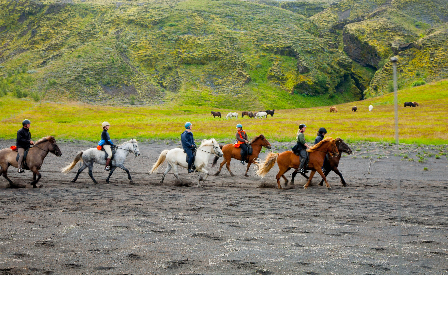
<point>35,96</point>
<point>418,83</point>
<point>132,100</point>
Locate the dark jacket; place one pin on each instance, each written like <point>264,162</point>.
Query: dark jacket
<point>105,139</point>
<point>187,140</point>
<point>242,137</point>
<point>23,138</point>
<point>319,138</point>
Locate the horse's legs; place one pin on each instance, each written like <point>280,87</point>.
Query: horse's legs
<point>228,166</point>
<point>284,177</point>
<point>127,171</point>
<point>321,183</point>
<point>5,175</point>
<point>321,173</point>
<point>35,173</point>
<point>220,167</point>
<point>84,166</point>
<point>248,165</point>
<point>336,170</point>
<point>91,173</point>
<point>112,169</point>
<point>309,179</point>
<point>176,173</point>
<point>168,168</point>
<point>282,171</point>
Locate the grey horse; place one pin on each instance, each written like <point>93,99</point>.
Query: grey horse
<point>93,155</point>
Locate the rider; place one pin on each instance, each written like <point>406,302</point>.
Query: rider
<point>320,135</point>
<point>242,143</point>
<point>23,142</point>
<point>106,143</point>
<point>302,146</point>
<point>189,146</point>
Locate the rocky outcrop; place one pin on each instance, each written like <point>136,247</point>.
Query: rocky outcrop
<point>360,51</point>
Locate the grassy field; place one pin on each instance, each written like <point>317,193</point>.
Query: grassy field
<point>426,124</point>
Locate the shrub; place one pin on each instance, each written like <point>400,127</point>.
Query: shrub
<point>132,100</point>
<point>418,83</point>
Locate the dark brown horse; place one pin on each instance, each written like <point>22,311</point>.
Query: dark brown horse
<point>244,114</point>
<point>332,162</point>
<point>288,160</point>
<point>251,115</point>
<point>216,114</point>
<point>270,112</point>
<point>230,152</point>
<point>34,159</point>
<point>354,109</point>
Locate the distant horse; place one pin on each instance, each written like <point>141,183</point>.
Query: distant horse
<point>230,152</point>
<point>216,114</point>
<point>332,162</point>
<point>244,114</point>
<point>232,115</point>
<point>288,160</point>
<point>354,109</point>
<point>333,109</point>
<point>177,157</point>
<point>370,108</point>
<point>93,155</point>
<point>261,115</point>
<point>251,115</point>
<point>34,158</point>
<point>411,104</point>
<point>270,112</point>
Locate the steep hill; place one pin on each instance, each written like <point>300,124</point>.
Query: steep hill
<point>217,53</point>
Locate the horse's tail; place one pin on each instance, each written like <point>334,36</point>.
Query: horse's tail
<point>161,160</point>
<point>216,158</point>
<point>73,164</point>
<point>267,165</point>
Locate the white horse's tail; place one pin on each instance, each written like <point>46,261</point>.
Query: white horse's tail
<point>161,160</point>
<point>73,164</point>
<point>267,165</point>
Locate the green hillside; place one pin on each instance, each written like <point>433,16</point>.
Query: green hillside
<point>218,53</point>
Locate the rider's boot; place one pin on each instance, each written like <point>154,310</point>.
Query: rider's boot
<point>107,164</point>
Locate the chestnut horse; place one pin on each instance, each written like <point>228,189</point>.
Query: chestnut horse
<point>230,152</point>
<point>34,159</point>
<point>288,160</point>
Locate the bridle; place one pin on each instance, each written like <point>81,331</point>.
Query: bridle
<point>133,150</point>
<point>214,147</point>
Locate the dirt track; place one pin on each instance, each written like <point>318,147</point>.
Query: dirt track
<point>230,225</point>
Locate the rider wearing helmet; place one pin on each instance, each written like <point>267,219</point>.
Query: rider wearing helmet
<point>301,147</point>
<point>23,142</point>
<point>106,143</point>
<point>242,143</point>
<point>189,146</point>
<point>320,135</point>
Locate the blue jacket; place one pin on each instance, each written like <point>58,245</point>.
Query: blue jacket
<point>105,139</point>
<point>187,140</point>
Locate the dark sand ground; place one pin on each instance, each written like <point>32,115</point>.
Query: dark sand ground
<point>230,225</point>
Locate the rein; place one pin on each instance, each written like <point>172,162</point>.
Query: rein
<point>44,150</point>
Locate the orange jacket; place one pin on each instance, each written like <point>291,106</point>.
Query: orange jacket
<point>242,135</point>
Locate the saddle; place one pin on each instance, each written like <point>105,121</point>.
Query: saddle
<point>24,165</point>
<point>113,149</point>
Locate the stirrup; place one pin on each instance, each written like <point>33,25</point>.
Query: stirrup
<point>20,171</point>
<point>107,168</point>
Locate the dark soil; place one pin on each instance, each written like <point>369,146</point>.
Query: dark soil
<point>230,225</point>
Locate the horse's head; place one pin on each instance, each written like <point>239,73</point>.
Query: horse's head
<point>343,147</point>
<point>261,140</point>
<point>216,149</point>
<point>135,149</point>
<point>49,143</point>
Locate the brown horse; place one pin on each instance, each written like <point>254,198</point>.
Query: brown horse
<point>288,160</point>
<point>216,114</point>
<point>251,115</point>
<point>332,162</point>
<point>333,109</point>
<point>34,159</point>
<point>354,109</point>
<point>245,113</point>
<point>230,152</point>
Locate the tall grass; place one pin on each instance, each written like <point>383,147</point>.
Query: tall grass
<point>426,124</point>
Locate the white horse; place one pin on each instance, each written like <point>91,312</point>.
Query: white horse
<point>93,155</point>
<point>261,115</point>
<point>177,157</point>
<point>370,108</point>
<point>232,115</point>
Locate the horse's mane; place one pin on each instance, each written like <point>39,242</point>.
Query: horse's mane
<point>257,137</point>
<point>45,139</point>
<point>209,141</point>
<point>131,141</point>
<point>319,144</point>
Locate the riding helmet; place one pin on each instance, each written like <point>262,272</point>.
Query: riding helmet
<point>187,124</point>
<point>239,125</point>
<point>322,130</point>
<point>105,124</point>
<point>26,122</point>
<point>301,126</point>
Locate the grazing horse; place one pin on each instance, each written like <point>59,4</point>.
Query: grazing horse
<point>354,109</point>
<point>333,109</point>
<point>270,112</point>
<point>34,158</point>
<point>216,114</point>
<point>93,155</point>
<point>288,160</point>
<point>230,152</point>
<point>370,108</point>
<point>177,157</point>
<point>332,162</point>
<point>415,104</point>
<point>411,104</point>
<point>232,115</point>
<point>261,114</point>
<point>244,114</point>
<point>251,115</point>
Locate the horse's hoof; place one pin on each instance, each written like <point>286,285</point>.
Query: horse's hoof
<point>72,181</point>
<point>107,181</point>
<point>131,182</point>
<point>216,174</point>
<point>95,182</point>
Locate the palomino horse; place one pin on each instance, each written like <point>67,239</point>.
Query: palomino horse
<point>34,159</point>
<point>332,162</point>
<point>288,160</point>
<point>177,157</point>
<point>232,152</point>
<point>93,155</point>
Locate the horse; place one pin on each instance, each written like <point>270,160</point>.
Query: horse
<point>244,114</point>
<point>261,115</point>
<point>229,152</point>
<point>216,114</point>
<point>270,112</point>
<point>332,162</point>
<point>232,115</point>
<point>333,109</point>
<point>288,160</point>
<point>251,115</point>
<point>93,155</point>
<point>411,104</point>
<point>177,157</point>
<point>34,158</point>
<point>370,108</point>
<point>415,104</point>
<point>354,109</point>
